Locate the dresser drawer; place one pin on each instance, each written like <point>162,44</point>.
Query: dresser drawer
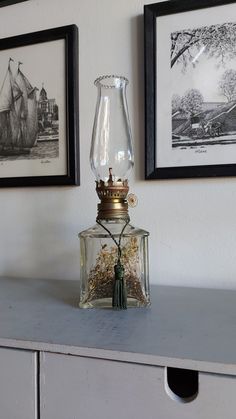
<point>18,384</point>
<point>79,387</point>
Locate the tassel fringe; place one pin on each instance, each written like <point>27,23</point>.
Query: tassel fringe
<point>119,300</point>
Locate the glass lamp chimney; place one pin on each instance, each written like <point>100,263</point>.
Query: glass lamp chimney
<point>111,155</point>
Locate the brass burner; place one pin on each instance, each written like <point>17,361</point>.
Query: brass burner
<point>113,203</point>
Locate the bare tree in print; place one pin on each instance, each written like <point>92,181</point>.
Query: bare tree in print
<point>176,104</point>
<point>192,101</point>
<point>227,85</point>
<point>217,41</point>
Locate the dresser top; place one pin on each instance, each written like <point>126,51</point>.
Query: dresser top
<point>185,327</point>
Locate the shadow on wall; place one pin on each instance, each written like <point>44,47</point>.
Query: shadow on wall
<point>137,42</point>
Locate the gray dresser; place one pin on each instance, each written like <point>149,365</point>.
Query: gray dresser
<point>60,362</point>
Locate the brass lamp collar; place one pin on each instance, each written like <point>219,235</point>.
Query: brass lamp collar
<point>113,205</point>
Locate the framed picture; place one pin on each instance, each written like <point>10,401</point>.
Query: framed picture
<point>190,88</point>
<point>39,136</point>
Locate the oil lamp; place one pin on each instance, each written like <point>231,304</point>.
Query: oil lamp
<point>114,254</point>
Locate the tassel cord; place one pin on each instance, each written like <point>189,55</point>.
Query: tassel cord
<point>119,298</point>
<point>118,243</point>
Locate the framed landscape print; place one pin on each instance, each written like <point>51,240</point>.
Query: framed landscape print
<point>39,142</point>
<point>190,88</point>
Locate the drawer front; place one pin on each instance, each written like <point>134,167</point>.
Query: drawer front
<point>76,387</point>
<point>18,384</point>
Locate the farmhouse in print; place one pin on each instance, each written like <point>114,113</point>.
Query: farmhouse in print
<point>214,124</point>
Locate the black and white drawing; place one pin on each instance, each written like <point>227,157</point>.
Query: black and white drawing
<point>29,121</point>
<point>203,64</point>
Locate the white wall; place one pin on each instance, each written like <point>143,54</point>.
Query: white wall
<point>192,222</point>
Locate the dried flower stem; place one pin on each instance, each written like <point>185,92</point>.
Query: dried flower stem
<point>101,276</point>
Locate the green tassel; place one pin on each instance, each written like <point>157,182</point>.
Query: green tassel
<point>119,299</point>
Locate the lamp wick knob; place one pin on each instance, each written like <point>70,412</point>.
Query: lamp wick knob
<point>110,174</point>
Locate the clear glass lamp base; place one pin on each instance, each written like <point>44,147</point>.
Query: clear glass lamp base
<point>98,258</point>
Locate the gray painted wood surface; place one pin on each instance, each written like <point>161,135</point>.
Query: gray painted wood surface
<point>18,384</point>
<point>79,387</point>
<point>189,328</point>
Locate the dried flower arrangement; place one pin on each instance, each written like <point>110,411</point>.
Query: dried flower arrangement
<point>101,276</point>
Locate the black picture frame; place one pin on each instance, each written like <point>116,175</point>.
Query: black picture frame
<point>69,36</point>
<point>4,3</point>
<point>151,14</point>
